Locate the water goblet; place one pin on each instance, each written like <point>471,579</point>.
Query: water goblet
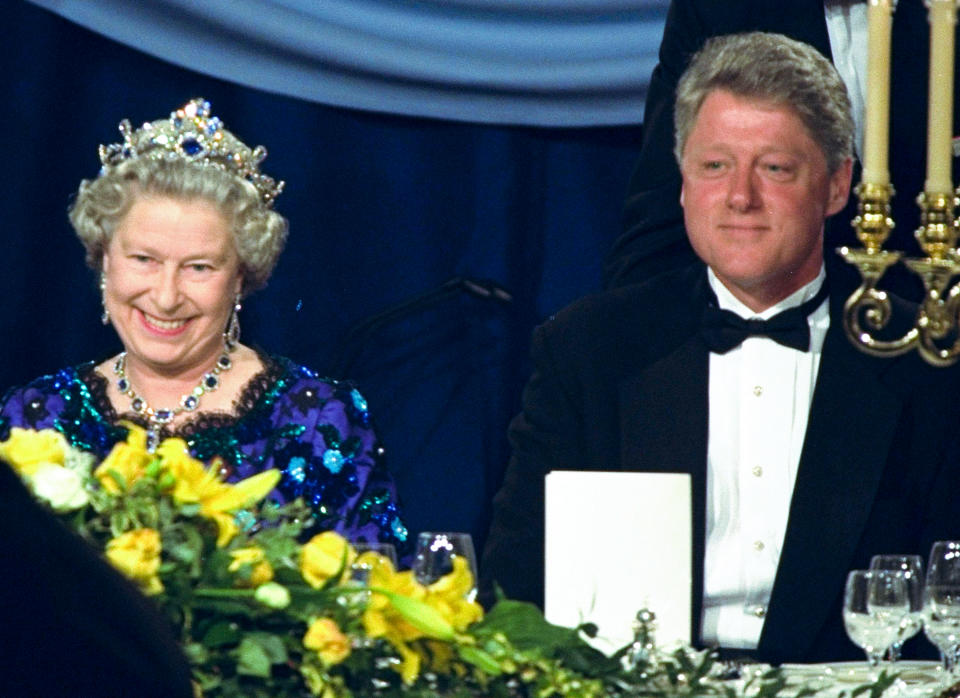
<point>369,555</point>
<point>912,568</point>
<point>874,604</point>
<point>436,552</point>
<point>941,602</point>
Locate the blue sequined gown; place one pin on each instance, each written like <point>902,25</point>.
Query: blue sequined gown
<point>316,431</point>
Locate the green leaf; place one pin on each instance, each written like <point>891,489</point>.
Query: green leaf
<point>479,659</point>
<point>424,618</point>
<point>272,645</point>
<point>119,479</point>
<point>252,659</point>
<point>223,633</point>
<point>189,510</point>
<point>196,652</point>
<point>526,628</point>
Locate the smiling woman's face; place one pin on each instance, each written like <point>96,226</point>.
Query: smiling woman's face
<point>172,274</point>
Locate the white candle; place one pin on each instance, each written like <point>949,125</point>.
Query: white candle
<point>876,128</point>
<point>943,17</point>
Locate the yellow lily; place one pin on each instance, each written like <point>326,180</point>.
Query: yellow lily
<point>194,484</point>
<point>128,458</point>
<point>449,596</point>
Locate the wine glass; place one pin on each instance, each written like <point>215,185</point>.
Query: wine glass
<point>941,602</point>
<point>874,605</point>
<point>436,552</point>
<point>369,555</point>
<point>912,568</point>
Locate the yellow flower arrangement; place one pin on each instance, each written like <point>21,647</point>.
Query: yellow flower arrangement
<point>260,613</point>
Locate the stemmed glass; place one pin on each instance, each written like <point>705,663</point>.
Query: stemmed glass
<point>436,552</point>
<point>874,605</point>
<point>369,555</point>
<point>941,602</point>
<point>912,568</point>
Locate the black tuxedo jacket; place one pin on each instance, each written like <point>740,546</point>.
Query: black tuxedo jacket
<point>653,238</point>
<point>620,383</point>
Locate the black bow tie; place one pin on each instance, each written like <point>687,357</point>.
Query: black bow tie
<point>724,330</point>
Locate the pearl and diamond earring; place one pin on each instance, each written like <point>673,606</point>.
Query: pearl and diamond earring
<point>231,336</point>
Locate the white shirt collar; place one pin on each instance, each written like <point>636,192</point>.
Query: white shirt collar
<point>728,301</point>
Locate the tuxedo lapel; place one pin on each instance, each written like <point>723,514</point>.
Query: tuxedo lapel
<point>663,412</point>
<point>849,434</point>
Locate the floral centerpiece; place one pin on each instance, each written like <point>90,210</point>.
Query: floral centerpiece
<point>260,613</point>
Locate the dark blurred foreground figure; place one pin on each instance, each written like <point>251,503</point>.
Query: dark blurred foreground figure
<point>71,625</point>
<point>653,239</point>
<point>806,456</point>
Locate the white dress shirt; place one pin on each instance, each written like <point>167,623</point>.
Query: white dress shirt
<point>759,400</point>
<point>847,29</point>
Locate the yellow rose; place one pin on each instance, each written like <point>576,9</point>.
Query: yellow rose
<point>27,449</point>
<point>137,554</point>
<point>324,637</point>
<point>128,458</point>
<point>260,570</point>
<point>325,556</point>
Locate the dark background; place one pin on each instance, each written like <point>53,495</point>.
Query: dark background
<point>382,209</point>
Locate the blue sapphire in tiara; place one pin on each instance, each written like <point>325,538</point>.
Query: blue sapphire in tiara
<point>191,146</point>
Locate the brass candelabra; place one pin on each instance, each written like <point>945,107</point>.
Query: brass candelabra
<point>935,332</point>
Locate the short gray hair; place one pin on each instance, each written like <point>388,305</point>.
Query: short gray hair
<point>259,233</point>
<point>769,68</point>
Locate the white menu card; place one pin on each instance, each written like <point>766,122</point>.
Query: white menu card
<point>618,542</point>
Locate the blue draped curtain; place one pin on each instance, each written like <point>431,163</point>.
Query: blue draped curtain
<point>533,62</point>
<point>385,208</point>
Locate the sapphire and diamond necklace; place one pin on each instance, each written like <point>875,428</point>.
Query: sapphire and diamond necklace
<point>158,418</point>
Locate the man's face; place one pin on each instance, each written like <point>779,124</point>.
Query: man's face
<point>756,191</point>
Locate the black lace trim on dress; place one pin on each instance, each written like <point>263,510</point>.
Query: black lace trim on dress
<point>251,393</point>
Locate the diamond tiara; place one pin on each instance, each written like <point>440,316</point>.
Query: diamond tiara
<point>193,134</point>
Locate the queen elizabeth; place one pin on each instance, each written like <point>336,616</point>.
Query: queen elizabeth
<point>180,227</point>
